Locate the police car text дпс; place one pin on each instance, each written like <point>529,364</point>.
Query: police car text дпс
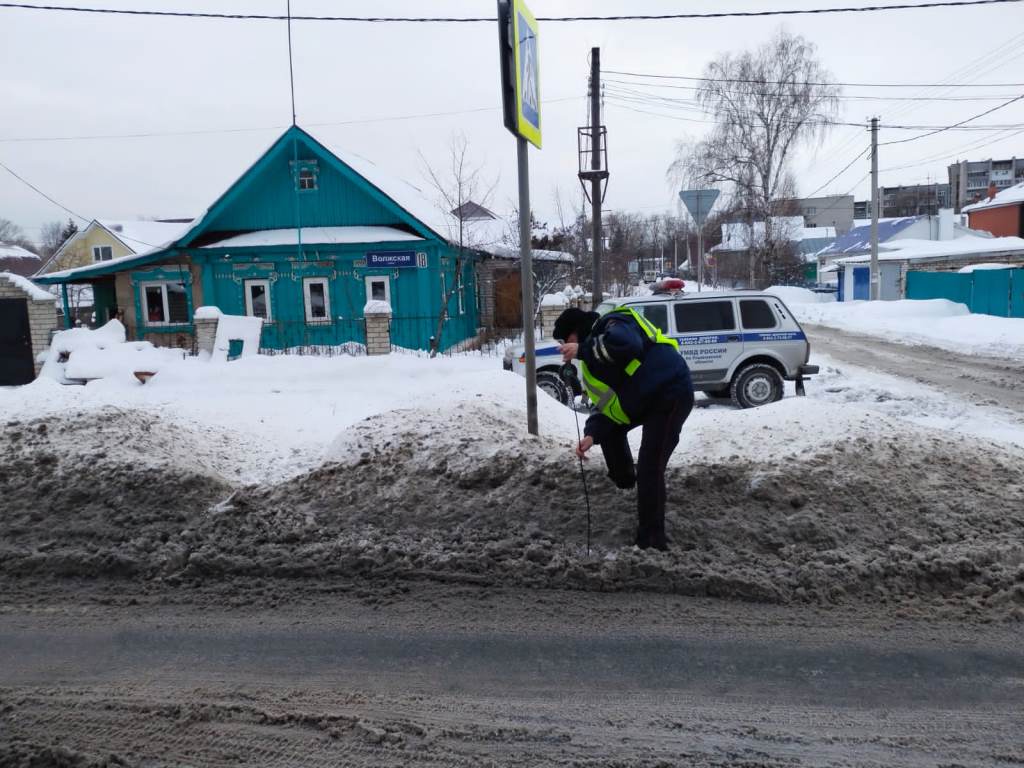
<point>739,344</point>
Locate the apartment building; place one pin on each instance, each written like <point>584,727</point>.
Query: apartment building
<point>969,180</point>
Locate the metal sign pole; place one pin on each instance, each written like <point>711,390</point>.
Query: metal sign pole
<point>526,268</point>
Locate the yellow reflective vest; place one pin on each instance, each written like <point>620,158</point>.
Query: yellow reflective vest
<point>600,393</point>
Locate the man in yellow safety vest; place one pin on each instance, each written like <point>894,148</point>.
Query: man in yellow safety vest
<point>634,376</point>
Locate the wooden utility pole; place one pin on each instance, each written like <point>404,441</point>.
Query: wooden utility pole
<point>874,209</point>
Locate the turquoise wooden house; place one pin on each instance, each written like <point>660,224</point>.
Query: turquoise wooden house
<point>304,239</point>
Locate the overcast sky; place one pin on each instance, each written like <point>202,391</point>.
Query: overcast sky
<point>64,74</point>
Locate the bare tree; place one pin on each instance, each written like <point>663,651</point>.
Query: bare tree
<point>14,235</point>
<point>461,189</point>
<point>766,103</point>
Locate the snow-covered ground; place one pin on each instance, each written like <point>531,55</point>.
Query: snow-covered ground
<point>935,322</point>
<point>263,419</point>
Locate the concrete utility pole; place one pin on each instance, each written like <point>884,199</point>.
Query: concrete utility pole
<point>526,269</point>
<point>874,209</point>
<point>595,165</point>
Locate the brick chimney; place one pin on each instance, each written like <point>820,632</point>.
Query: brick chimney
<point>992,191</point>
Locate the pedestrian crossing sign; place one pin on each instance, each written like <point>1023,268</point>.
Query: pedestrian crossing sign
<point>527,72</point>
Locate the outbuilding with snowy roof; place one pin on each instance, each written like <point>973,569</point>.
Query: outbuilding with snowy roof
<point>303,239</point>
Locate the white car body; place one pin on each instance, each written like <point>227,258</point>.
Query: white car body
<point>723,336</point>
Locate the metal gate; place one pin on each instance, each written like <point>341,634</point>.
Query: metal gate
<point>15,343</point>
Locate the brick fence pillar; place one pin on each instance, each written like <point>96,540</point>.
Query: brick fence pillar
<point>205,321</point>
<point>378,327</point>
<point>551,307</point>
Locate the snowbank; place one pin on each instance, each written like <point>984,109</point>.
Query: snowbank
<point>935,322</point>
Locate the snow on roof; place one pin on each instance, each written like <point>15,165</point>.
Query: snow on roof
<point>736,236</point>
<point>922,250</point>
<point>315,236</point>
<point>27,286</point>
<point>405,194</point>
<point>539,254</point>
<point>142,236</point>
<point>11,251</point>
<point>859,238</point>
<point>1009,196</point>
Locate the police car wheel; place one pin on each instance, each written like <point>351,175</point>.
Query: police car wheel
<point>552,384</point>
<point>755,385</point>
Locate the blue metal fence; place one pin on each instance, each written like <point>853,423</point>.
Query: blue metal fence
<point>997,292</point>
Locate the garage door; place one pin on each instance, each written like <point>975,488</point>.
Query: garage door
<point>15,343</point>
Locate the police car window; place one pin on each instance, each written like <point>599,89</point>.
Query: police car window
<point>657,314</point>
<point>756,313</point>
<point>605,307</point>
<point>697,316</point>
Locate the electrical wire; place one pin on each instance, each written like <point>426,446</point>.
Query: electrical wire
<point>810,82</point>
<point>257,129</point>
<point>474,19</point>
<point>38,191</point>
<point>844,170</point>
<point>955,125</point>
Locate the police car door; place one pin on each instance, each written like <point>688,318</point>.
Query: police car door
<point>708,337</point>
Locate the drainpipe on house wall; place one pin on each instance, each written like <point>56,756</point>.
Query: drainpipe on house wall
<point>67,304</point>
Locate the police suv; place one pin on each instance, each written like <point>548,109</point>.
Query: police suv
<point>738,344</point>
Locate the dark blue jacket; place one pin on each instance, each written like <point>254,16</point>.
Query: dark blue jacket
<point>662,374</point>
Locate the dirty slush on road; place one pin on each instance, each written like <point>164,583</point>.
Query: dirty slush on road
<point>913,520</point>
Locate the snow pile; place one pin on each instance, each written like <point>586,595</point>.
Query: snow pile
<point>237,328</point>
<point>936,322</point>
<point>792,295</point>
<point>23,283</point>
<point>84,354</point>
<point>554,301</point>
<point>377,307</point>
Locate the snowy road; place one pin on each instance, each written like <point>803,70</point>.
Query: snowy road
<point>500,677</point>
<point>982,380</point>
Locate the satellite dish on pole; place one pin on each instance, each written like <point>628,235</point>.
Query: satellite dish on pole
<point>699,203</point>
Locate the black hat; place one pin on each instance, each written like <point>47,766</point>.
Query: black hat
<point>574,319</point>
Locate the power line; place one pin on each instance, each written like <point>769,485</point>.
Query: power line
<point>474,19</point>
<point>623,100</point>
<point>844,170</point>
<point>955,125</point>
<point>36,189</point>
<point>808,82</point>
<point>851,97</point>
<point>258,129</point>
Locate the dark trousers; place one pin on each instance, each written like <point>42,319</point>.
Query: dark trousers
<point>661,427</point>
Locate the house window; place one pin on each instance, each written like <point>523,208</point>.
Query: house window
<point>102,253</point>
<point>164,303</point>
<point>811,210</point>
<point>305,172</point>
<point>378,288</point>
<point>257,299</point>
<point>318,299</point>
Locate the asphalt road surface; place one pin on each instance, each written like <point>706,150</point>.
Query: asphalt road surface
<point>982,380</point>
<point>467,677</point>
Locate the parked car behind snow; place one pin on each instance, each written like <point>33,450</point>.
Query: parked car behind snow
<point>739,344</point>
